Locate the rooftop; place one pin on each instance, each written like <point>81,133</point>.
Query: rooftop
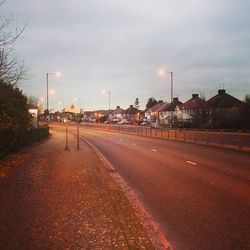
<point>223,100</point>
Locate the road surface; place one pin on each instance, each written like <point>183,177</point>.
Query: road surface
<point>199,195</point>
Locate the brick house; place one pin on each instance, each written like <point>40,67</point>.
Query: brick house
<point>223,106</point>
<point>116,115</point>
<point>191,110</point>
<point>152,114</point>
<point>132,115</point>
<point>167,113</point>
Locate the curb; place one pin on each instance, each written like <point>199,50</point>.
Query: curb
<point>152,228</point>
<point>105,161</point>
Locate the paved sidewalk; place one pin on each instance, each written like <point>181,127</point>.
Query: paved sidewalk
<point>58,199</point>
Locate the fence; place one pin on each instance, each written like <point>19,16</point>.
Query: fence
<point>11,140</point>
<point>229,139</point>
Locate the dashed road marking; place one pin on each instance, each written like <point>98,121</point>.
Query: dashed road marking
<point>191,162</point>
<point>154,150</point>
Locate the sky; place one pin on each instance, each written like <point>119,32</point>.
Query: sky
<point>117,46</point>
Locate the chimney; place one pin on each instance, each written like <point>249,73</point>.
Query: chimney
<point>117,107</point>
<point>195,96</point>
<point>175,99</point>
<point>221,91</point>
<point>160,101</point>
<point>131,106</point>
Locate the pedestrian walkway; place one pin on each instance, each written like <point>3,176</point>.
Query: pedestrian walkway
<point>65,199</point>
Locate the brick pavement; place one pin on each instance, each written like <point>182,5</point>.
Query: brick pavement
<point>58,199</point>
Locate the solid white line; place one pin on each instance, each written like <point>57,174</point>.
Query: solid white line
<point>191,162</point>
<point>154,150</point>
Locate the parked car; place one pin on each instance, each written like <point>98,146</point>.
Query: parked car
<point>155,125</point>
<point>123,122</point>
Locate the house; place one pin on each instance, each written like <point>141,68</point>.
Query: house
<point>191,110</point>
<point>93,116</point>
<point>152,114</point>
<point>98,114</point>
<point>116,115</point>
<point>88,116</point>
<point>167,113</point>
<point>105,116</point>
<point>222,106</point>
<point>132,115</point>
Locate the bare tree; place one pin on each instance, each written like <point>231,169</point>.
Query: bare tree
<point>12,70</point>
<point>137,103</point>
<point>151,102</point>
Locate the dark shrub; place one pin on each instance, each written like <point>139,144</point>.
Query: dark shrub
<point>13,140</point>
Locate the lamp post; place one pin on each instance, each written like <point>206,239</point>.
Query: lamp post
<point>79,101</point>
<point>172,82</point>
<point>104,93</point>
<point>162,72</point>
<point>109,100</point>
<point>47,88</point>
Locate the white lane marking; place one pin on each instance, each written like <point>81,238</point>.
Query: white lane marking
<point>154,150</point>
<point>121,140</point>
<point>133,144</point>
<point>191,162</point>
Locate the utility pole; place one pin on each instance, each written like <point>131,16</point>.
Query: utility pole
<point>109,100</point>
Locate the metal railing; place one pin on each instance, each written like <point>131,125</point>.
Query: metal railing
<point>221,138</point>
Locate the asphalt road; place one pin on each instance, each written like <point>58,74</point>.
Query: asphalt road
<point>199,195</point>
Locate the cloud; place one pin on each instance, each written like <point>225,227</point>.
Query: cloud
<point>118,45</point>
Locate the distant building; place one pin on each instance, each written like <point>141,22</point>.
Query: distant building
<point>33,115</point>
<point>223,105</point>
<point>94,116</point>
<point>132,115</point>
<point>88,116</point>
<point>116,115</point>
<point>167,113</point>
<point>72,108</point>
<point>191,110</point>
<point>152,114</point>
<point>105,117</point>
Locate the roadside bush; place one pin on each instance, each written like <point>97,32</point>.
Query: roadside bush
<point>13,140</point>
<point>13,108</point>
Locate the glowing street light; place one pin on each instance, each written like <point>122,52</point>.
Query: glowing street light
<point>104,93</point>
<point>47,87</point>
<point>60,103</point>
<point>163,72</point>
<point>79,101</point>
<point>52,92</point>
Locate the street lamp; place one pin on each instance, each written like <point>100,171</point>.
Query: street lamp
<point>47,87</point>
<point>79,101</point>
<point>162,72</point>
<point>61,104</point>
<point>104,92</point>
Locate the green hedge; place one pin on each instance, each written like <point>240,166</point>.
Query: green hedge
<point>12,141</point>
